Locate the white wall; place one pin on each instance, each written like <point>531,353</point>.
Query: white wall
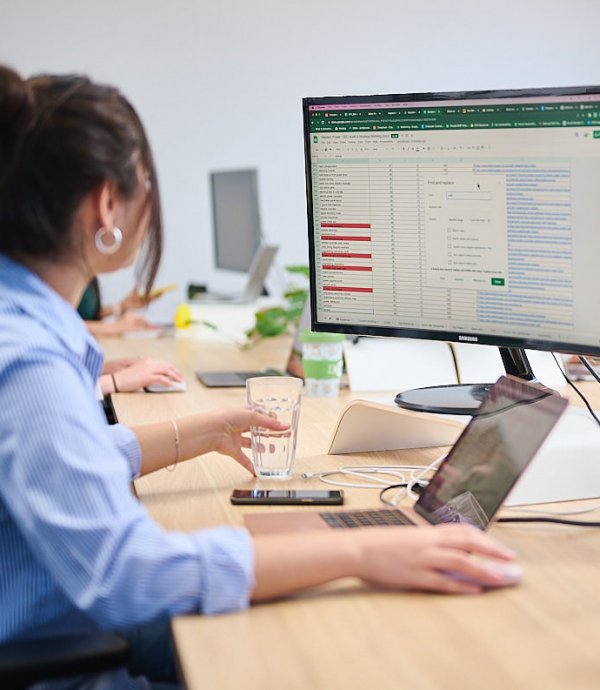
<point>219,84</point>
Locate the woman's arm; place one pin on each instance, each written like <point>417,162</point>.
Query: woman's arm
<point>162,444</point>
<point>450,558</point>
<point>137,374</point>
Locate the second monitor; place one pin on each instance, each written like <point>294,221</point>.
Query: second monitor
<point>236,218</point>
<point>237,234</point>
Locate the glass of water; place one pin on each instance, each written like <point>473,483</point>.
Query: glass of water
<point>279,397</point>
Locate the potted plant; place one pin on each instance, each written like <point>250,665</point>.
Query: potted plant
<point>273,321</point>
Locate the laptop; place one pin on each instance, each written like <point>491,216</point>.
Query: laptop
<point>473,481</point>
<point>237,379</point>
<point>257,274</point>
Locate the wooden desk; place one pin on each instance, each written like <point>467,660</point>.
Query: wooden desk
<point>542,634</point>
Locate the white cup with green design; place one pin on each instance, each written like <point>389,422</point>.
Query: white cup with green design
<point>322,362</point>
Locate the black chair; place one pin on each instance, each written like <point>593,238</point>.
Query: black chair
<point>32,661</point>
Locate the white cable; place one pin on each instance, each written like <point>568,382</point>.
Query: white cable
<point>416,477</point>
<point>366,471</point>
<point>581,511</point>
<point>433,465</point>
<point>417,474</point>
<point>371,481</point>
<point>350,485</point>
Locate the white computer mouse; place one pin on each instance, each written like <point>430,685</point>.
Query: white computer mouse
<point>509,573</point>
<point>175,387</point>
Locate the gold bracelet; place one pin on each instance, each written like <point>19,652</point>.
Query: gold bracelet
<point>114,381</point>
<point>177,446</point>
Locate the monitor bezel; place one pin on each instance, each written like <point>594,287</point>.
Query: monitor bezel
<point>467,337</point>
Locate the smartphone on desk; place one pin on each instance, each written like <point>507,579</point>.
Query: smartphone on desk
<point>287,497</point>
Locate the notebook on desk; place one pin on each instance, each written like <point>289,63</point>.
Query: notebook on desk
<point>473,481</point>
<point>237,379</point>
<point>257,274</point>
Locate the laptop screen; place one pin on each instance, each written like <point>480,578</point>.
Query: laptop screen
<point>491,453</point>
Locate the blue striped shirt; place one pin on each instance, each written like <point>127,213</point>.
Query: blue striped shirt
<point>77,551</point>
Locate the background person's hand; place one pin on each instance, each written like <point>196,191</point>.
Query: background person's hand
<point>133,300</point>
<point>124,324</point>
<point>456,559</point>
<point>131,322</point>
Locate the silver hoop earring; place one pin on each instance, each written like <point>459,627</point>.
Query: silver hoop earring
<point>108,249</point>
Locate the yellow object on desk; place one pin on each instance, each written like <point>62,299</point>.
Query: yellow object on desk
<point>183,316</point>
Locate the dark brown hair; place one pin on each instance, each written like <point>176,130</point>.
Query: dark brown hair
<point>60,137</point>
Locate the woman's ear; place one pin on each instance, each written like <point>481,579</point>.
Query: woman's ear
<point>105,204</point>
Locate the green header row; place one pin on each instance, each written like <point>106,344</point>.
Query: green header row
<point>468,117</point>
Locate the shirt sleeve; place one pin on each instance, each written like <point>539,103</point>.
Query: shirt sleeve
<point>126,441</point>
<point>65,482</point>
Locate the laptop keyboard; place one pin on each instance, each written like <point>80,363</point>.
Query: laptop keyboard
<point>366,518</point>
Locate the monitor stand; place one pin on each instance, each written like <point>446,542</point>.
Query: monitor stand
<point>463,398</point>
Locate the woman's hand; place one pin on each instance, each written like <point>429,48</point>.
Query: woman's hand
<point>228,427</point>
<point>146,372</point>
<point>446,558</point>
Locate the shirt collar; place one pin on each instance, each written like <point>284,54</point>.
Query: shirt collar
<point>29,293</point>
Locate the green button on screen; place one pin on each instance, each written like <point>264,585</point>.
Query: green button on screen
<point>497,281</point>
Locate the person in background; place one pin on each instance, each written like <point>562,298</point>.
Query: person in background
<point>79,197</point>
<point>97,316</point>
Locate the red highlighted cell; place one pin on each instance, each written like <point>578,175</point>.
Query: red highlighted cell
<point>339,288</point>
<point>355,238</point>
<point>345,225</point>
<point>346,268</point>
<point>345,255</point>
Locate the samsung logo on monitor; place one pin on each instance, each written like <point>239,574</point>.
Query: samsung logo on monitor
<point>469,338</point>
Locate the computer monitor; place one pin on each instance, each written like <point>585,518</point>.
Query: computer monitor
<point>467,216</point>
<point>236,218</point>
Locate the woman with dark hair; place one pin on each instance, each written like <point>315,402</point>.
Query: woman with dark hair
<point>79,197</point>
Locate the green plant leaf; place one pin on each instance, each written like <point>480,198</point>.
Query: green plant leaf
<point>300,269</point>
<point>272,321</point>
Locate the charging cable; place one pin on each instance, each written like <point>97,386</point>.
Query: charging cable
<point>574,387</point>
<point>408,479</point>
<point>413,488</point>
<point>364,476</point>
<point>557,517</point>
